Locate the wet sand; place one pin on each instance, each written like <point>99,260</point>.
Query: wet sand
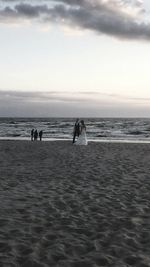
<point>74,206</point>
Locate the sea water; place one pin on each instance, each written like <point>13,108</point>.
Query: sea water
<point>98,129</point>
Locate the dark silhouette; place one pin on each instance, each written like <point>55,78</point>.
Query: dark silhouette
<point>40,135</point>
<point>32,134</point>
<point>35,135</point>
<point>76,131</point>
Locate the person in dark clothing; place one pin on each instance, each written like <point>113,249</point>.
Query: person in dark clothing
<point>32,134</point>
<point>76,131</point>
<point>40,135</point>
<point>35,135</point>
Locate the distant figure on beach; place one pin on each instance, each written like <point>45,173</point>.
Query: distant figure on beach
<point>40,135</point>
<point>76,130</point>
<point>32,134</point>
<point>82,140</point>
<point>35,135</point>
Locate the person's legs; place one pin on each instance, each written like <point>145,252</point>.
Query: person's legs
<point>74,136</point>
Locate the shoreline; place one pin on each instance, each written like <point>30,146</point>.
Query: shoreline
<point>128,141</point>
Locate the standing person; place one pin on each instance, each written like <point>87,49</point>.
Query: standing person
<point>82,140</point>
<point>35,135</point>
<point>32,134</point>
<point>76,131</point>
<point>40,135</point>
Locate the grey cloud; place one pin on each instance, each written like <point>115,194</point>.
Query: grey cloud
<point>55,96</point>
<point>102,17</point>
<point>39,97</point>
<point>79,104</point>
<point>31,11</point>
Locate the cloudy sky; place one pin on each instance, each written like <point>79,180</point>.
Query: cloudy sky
<point>75,58</point>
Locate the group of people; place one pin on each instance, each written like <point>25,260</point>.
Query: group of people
<point>79,133</point>
<point>35,134</point>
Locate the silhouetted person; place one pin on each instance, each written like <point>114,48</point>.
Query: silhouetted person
<point>32,134</point>
<point>76,131</point>
<point>35,135</point>
<point>40,135</point>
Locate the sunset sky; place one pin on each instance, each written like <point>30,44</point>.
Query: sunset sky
<point>75,58</point>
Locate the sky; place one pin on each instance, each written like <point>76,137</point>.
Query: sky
<point>74,58</point>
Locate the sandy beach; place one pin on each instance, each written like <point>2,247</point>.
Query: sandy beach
<point>74,206</point>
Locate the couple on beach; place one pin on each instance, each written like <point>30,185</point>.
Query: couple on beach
<point>80,132</point>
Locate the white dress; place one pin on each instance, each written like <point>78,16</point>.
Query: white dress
<point>82,139</point>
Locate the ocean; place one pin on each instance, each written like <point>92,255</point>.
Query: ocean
<point>98,129</point>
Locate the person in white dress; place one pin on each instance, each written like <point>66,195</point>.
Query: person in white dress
<point>82,139</point>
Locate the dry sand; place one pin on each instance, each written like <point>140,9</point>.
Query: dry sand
<point>74,206</point>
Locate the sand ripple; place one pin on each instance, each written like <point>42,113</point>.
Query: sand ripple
<point>69,206</point>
